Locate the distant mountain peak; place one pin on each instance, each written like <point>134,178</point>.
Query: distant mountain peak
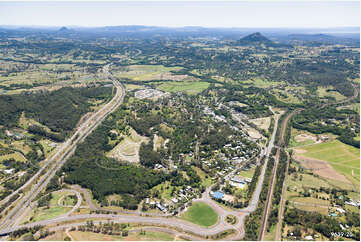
<point>63,29</point>
<point>254,38</point>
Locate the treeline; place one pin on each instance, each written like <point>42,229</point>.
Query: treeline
<point>59,110</point>
<point>326,120</point>
<point>35,129</point>
<point>279,127</point>
<point>254,220</point>
<point>252,185</point>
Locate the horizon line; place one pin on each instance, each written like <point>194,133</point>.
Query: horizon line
<point>184,26</point>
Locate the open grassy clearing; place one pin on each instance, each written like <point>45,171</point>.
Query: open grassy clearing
<point>271,235</point>
<point>206,180</point>
<point>353,106</point>
<point>113,197</point>
<point>158,142</point>
<point>54,210</point>
<point>343,158</point>
<point>284,96</point>
<point>301,138</point>
<point>21,145</point>
<point>16,156</point>
<point>306,181</point>
<point>201,214</point>
<point>184,86</point>
<point>312,208</point>
<point>262,83</point>
<point>253,132</point>
<point>133,87</point>
<point>247,174</point>
<point>39,214</point>
<point>262,123</point>
<point>165,190</point>
<point>59,195</point>
<point>223,79</point>
<point>149,72</point>
<point>128,148</point>
<point>45,74</point>
<point>47,145</point>
<point>322,92</point>
<point>310,200</point>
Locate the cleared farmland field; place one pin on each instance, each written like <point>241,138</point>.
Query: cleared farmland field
<point>343,158</point>
<point>187,87</point>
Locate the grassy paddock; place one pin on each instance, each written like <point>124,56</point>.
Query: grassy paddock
<point>187,87</point>
<point>343,158</point>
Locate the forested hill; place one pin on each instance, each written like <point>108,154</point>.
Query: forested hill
<point>59,110</point>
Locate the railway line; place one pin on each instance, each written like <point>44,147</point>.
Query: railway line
<point>155,219</point>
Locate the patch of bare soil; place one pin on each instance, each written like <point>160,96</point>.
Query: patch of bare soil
<point>321,168</point>
<point>304,137</point>
<point>299,151</point>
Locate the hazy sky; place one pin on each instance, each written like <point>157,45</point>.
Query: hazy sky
<point>174,14</point>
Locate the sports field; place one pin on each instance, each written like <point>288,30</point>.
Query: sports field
<point>343,158</point>
<point>202,214</point>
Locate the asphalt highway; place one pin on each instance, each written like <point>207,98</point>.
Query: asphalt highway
<point>62,155</point>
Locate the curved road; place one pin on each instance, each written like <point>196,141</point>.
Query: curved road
<point>137,217</point>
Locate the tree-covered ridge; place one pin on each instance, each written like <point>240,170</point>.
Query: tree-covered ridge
<point>59,110</point>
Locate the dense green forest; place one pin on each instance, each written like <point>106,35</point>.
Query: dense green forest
<point>131,181</point>
<point>59,110</point>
